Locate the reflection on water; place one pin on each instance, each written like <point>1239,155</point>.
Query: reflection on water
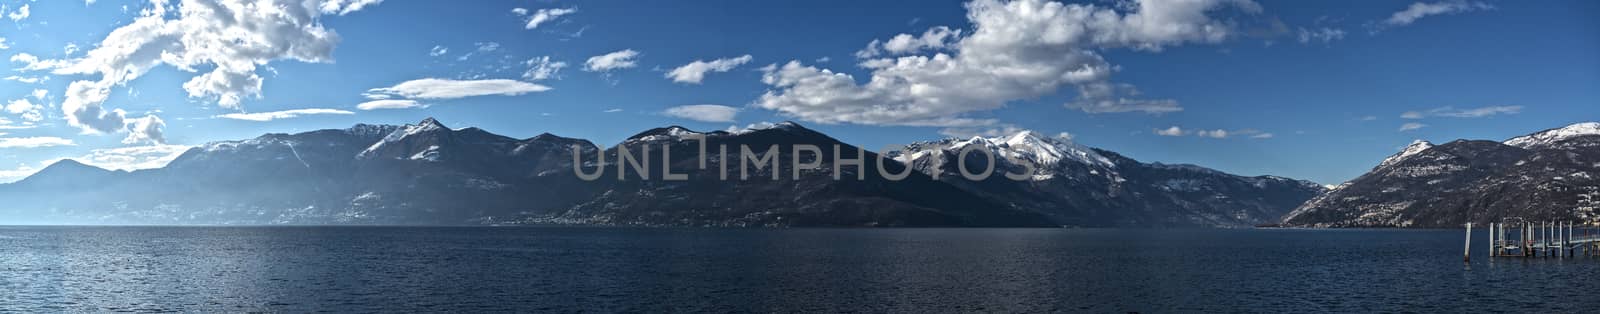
<point>652,270</point>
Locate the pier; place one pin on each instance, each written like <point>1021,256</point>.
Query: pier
<point>1516,237</point>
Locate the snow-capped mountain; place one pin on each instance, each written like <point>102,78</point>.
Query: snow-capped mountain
<point>1549,175</point>
<point>428,173</point>
<point>1551,137</point>
<point>1082,186</point>
<point>1416,146</point>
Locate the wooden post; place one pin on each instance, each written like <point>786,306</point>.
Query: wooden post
<point>1466,253</point>
<point>1491,239</point>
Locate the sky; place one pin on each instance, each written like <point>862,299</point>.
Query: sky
<point>1318,90</point>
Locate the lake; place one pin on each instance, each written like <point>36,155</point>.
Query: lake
<point>474,269</point>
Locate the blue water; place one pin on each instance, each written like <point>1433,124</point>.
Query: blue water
<point>295,269</point>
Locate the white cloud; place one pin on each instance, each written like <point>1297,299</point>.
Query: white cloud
<point>147,130</point>
<point>283,114</point>
<point>1420,10</point>
<point>13,175</point>
<point>21,14</point>
<point>480,48</point>
<point>932,39</point>
<point>34,142</point>
<point>31,62</point>
<point>24,109</point>
<point>1218,133</point>
<point>545,15</point>
<point>389,104</point>
<point>519,11</point>
<point>616,60</point>
<point>1452,112</point>
<point>69,49</point>
<point>435,88</point>
<point>968,132</point>
<point>613,110</point>
<point>694,72</point>
<point>542,68</point>
<point>133,157</point>
<point>1322,34</point>
<point>703,113</point>
<point>438,51</point>
<point>1016,50</point>
<point>346,6</point>
<point>28,79</point>
<point>7,124</point>
<point>229,38</point>
<point>1411,126</point>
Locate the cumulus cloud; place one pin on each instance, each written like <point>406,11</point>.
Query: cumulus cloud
<point>1016,50</point>
<point>1421,9</point>
<point>543,15</point>
<point>435,88</point>
<point>34,142</point>
<point>542,68</point>
<point>147,130</point>
<point>389,104</point>
<point>230,39</point>
<point>21,14</point>
<point>932,39</point>
<point>616,60</point>
<point>694,72</point>
<point>1411,126</point>
<point>1452,112</point>
<point>24,109</point>
<point>283,114</point>
<point>438,51</point>
<point>703,113</point>
<point>1171,131</point>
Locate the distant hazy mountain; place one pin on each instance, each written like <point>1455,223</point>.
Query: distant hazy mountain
<point>427,173</point>
<point>1083,186</point>
<point>1546,175</point>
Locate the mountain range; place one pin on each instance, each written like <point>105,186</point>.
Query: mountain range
<point>430,174</point>
<point>1548,175</point>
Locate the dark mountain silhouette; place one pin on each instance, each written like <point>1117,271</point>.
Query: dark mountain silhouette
<point>1549,175</point>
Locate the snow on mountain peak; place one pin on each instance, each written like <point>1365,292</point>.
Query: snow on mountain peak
<point>1551,136</point>
<point>1416,147</point>
<point>1039,150</point>
<point>1043,150</point>
<point>428,125</point>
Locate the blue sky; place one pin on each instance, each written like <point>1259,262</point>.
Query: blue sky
<point>1312,90</point>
